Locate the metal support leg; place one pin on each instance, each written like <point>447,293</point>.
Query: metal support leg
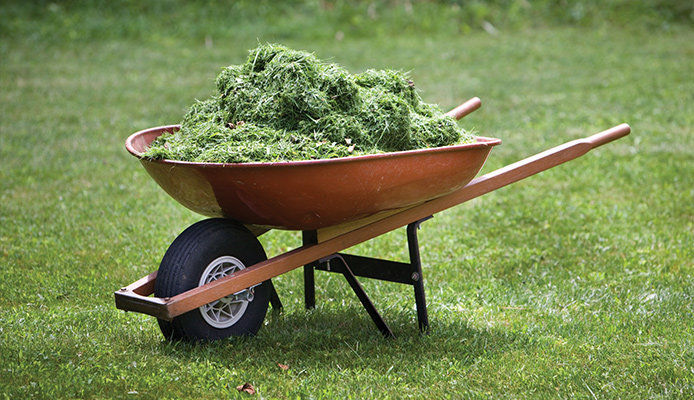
<point>275,298</point>
<point>352,266</point>
<point>417,277</point>
<point>363,298</point>
<point>309,237</point>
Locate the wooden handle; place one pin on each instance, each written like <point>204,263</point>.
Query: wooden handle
<point>465,108</point>
<point>609,135</point>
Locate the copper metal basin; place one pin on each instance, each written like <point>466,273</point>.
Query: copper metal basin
<point>313,194</point>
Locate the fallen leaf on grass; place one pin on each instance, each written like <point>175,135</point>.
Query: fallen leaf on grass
<point>246,387</point>
<point>283,366</point>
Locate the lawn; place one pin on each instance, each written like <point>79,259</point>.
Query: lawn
<point>578,282</point>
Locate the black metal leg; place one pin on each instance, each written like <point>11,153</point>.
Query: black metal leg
<point>309,237</point>
<point>309,287</point>
<point>417,277</point>
<point>275,298</point>
<point>352,266</point>
<point>363,298</point>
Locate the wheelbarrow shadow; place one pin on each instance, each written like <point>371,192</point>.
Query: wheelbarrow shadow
<point>346,338</point>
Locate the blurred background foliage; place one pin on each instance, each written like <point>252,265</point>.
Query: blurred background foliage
<point>300,19</point>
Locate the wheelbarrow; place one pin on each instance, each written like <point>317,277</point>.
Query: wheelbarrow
<point>214,280</point>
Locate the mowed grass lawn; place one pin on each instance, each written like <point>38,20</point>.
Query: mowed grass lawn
<point>575,283</point>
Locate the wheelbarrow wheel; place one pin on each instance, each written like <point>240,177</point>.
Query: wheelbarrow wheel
<point>204,252</point>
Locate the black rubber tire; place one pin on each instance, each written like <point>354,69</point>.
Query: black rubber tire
<point>185,261</point>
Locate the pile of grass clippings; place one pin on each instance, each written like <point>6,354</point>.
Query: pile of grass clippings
<point>284,105</point>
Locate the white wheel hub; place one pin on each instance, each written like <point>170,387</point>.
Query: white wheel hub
<point>226,311</point>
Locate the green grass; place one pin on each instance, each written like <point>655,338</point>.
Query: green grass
<point>578,282</point>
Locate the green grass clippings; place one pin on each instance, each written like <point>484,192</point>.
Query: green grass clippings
<point>284,104</point>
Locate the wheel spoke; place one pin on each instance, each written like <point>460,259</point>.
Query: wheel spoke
<point>215,303</point>
<point>231,269</point>
<point>228,313</point>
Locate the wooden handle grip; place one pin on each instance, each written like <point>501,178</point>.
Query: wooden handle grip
<point>609,135</point>
<point>465,108</point>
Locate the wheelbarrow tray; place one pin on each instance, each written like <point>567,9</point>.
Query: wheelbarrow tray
<point>313,194</point>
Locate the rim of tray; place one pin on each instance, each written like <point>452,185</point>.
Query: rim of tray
<point>482,141</point>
